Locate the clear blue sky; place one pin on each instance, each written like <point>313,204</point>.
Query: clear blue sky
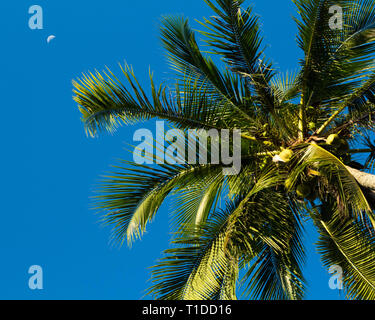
<point>49,167</point>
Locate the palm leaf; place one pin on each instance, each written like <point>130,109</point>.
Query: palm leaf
<point>198,267</point>
<point>338,177</point>
<point>134,193</point>
<point>349,245</point>
<point>277,274</point>
<point>105,103</point>
<point>235,34</point>
<point>186,58</point>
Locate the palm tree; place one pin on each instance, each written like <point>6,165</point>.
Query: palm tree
<point>300,135</point>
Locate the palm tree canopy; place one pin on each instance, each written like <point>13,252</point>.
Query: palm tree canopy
<point>299,134</point>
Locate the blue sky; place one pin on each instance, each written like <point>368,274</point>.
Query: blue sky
<point>50,167</point>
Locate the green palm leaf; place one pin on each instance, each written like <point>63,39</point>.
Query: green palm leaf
<point>134,194</point>
<point>350,245</point>
<point>105,103</point>
<point>331,168</point>
<point>277,274</point>
<point>198,267</point>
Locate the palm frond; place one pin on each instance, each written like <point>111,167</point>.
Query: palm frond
<point>199,266</point>
<point>334,63</point>
<point>277,274</point>
<point>105,103</point>
<point>187,59</point>
<point>350,245</point>
<point>285,86</point>
<point>363,98</point>
<point>132,195</point>
<point>196,199</point>
<point>235,34</point>
<point>337,181</point>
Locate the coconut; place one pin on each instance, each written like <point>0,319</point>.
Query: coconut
<point>286,155</point>
<point>333,139</point>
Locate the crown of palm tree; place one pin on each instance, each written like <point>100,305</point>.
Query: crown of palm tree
<point>298,133</point>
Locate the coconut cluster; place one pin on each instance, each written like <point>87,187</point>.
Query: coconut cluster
<point>337,142</point>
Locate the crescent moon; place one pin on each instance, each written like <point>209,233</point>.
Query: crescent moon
<point>50,38</point>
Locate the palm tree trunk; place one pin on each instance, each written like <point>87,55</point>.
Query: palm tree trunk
<point>367,183</point>
<point>366,180</point>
